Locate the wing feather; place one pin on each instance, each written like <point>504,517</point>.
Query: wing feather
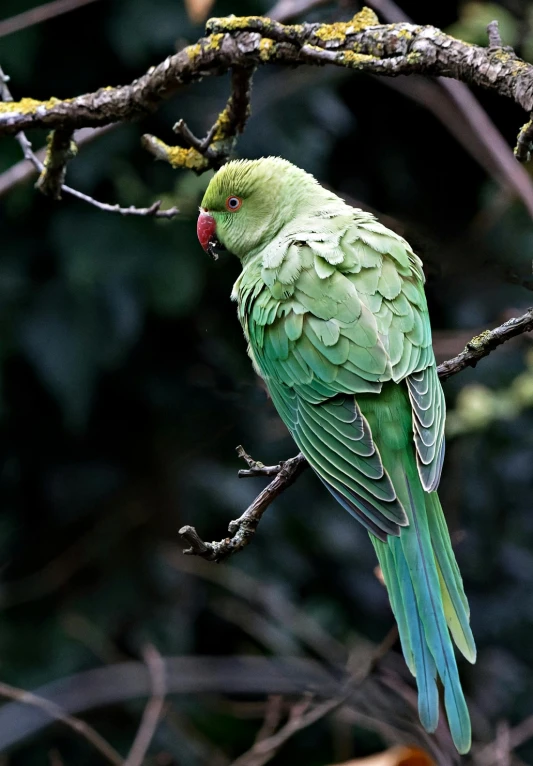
<point>335,318</point>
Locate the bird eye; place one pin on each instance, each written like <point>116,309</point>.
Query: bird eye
<point>233,204</point>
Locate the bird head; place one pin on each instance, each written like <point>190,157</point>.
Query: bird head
<point>248,202</point>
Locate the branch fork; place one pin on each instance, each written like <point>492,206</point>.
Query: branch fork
<point>214,150</point>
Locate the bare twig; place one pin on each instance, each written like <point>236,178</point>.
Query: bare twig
<point>39,14</point>
<point>274,604</point>
<point>507,740</point>
<point>154,708</point>
<point>55,712</point>
<point>119,682</point>
<point>57,156</point>
<point>484,343</point>
<point>272,719</point>
<point>244,528</point>
<point>304,713</point>
<point>255,467</point>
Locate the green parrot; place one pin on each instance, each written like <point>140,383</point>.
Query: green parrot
<point>333,308</point>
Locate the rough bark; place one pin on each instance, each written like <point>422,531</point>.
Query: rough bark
<point>362,44</point>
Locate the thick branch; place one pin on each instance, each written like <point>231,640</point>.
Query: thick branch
<point>362,44</point>
<point>285,473</point>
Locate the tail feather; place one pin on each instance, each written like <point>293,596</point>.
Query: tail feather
<point>425,668</point>
<point>427,598</point>
<point>418,550</point>
<point>388,569</point>
<point>455,604</point>
<point>420,571</point>
<point>414,646</point>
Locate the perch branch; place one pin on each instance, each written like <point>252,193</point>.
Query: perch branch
<point>243,529</point>
<point>482,345</point>
<point>362,43</point>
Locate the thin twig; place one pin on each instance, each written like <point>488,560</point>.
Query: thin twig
<point>55,712</point>
<point>272,602</point>
<point>39,14</point>
<point>490,755</point>
<point>153,710</point>
<point>304,713</point>
<point>25,170</point>
<point>272,717</point>
<point>114,684</point>
<point>29,154</point>
<point>484,343</point>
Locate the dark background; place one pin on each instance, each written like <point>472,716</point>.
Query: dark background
<point>125,389</point>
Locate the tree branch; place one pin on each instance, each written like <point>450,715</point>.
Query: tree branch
<point>61,148</point>
<point>154,708</point>
<point>243,529</point>
<point>484,343</point>
<point>52,171</point>
<point>55,712</point>
<point>362,43</point>
<point>213,150</point>
<point>304,713</point>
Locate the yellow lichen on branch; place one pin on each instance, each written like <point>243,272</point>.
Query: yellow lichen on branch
<point>177,156</point>
<point>338,31</point>
<point>28,105</point>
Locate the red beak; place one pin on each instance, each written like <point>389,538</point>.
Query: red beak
<point>205,229</point>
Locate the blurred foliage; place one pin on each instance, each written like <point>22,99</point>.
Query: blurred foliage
<point>126,388</point>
